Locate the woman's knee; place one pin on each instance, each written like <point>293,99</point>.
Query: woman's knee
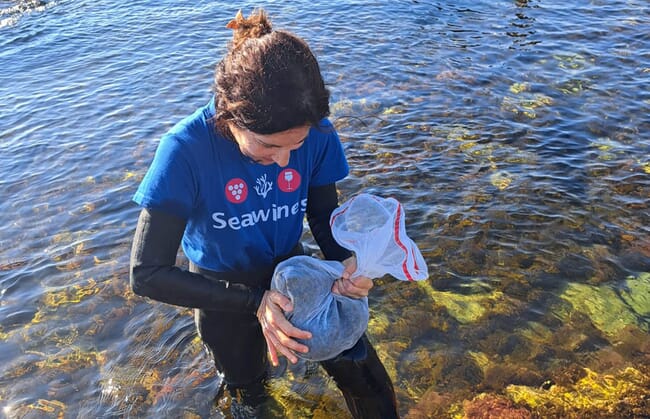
<point>236,344</point>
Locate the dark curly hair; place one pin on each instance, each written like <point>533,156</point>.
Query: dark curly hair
<point>269,81</point>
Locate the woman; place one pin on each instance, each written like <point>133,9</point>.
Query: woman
<point>232,183</point>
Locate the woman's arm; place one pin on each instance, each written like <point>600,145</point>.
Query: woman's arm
<point>321,201</point>
<point>154,274</point>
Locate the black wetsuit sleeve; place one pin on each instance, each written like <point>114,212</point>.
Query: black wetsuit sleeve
<point>153,272</point>
<point>321,201</point>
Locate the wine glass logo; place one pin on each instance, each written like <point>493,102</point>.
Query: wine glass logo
<point>288,176</point>
<point>288,180</point>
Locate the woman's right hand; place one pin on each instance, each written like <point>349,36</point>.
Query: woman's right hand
<point>278,331</point>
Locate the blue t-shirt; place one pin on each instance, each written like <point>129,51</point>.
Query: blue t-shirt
<point>240,214</point>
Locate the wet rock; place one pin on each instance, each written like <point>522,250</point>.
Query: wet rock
<point>602,237</point>
<point>516,289</point>
<point>607,359</point>
<point>544,356</point>
<point>606,271</point>
<point>511,343</point>
<point>548,281</point>
<point>457,371</point>
<point>442,371</point>
<point>633,342</point>
<point>546,385</point>
<point>500,375</point>
<point>468,261</point>
<point>526,262</point>
<point>591,343</point>
<point>602,305</point>
<point>576,268</point>
<point>634,261</point>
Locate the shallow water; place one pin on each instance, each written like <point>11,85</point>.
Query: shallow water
<point>515,133</point>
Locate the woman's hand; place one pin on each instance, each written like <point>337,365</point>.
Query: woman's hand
<point>278,331</point>
<point>357,287</point>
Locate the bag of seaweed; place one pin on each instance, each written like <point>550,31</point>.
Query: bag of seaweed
<point>374,229</point>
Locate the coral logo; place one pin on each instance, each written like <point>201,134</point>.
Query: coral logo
<point>288,180</point>
<point>263,186</point>
<point>236,191</point>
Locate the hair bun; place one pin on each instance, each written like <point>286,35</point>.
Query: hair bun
<point>255,26</point>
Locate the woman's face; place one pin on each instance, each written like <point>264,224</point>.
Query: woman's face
<point>270,148</point>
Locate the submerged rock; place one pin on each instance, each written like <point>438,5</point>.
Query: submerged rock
<point>635,260</point>
<point>637,294</point>
<point>576,267</point>
<point>500,375</point>
<point>606,310</point>
<point>469,308</point>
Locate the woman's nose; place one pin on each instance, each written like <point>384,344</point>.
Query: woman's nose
<point>281,157</point>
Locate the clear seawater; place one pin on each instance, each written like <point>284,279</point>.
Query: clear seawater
<point>515,134</point>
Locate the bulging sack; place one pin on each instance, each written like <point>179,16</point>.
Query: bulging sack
<point>374,229</point>
<point>335,322</point>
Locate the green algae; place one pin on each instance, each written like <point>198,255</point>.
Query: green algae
<point>394,110</point>
<point>379,323</point>
<point>637,294</point>
<point>467,308</point>
<point>71,359</point>
<point>644,164</point>
<point>481,359</point>
<point>606,310</point>
<point>389,352</point>
<point>606,149</point>
<point>44,408</point>
<point>572,87</point>
<point>592,393</point>
<point>536,332</point>
<point>461,133</point>
<point>344,105</point>
<point>525,104</point>
<point>517,88</point>
<point>571,61</point>
<point>501,179</point>
<point>71,295</point>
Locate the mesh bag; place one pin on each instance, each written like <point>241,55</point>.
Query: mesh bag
<point>374,229</point>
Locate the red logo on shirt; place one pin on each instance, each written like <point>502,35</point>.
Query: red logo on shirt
<point>288,180</point>
<point>236,191</point>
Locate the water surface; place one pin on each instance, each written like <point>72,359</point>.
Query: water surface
<point>513,132</point>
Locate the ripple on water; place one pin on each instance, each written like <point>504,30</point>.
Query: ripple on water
<point>512,133</point>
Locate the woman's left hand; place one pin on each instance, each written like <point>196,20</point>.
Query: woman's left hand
<point>357,287</point>
<point>279,333</point>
